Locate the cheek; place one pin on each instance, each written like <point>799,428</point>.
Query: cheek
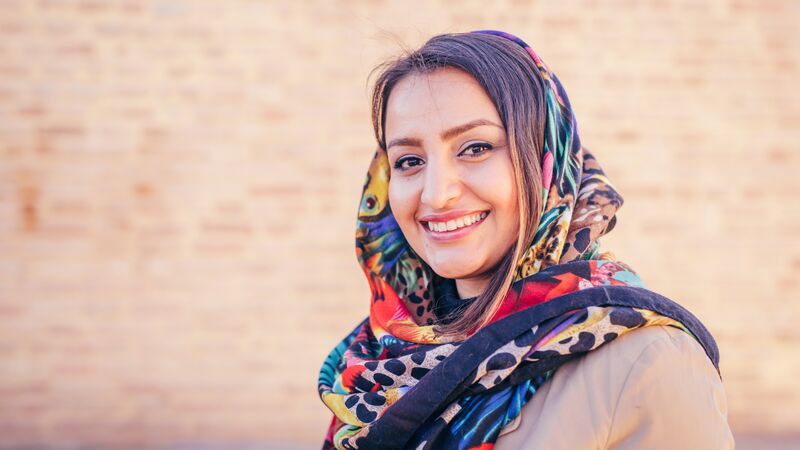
<point>512,211</point>
<point>508,202</point>
<point>509,197</point>
<point>495,184</point>
<point>403,203</point>
<point>502,195</point>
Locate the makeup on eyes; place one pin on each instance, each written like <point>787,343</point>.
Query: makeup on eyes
<point>486,148</point>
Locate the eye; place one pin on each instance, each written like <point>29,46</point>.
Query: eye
<point>487,148</point>
<point>412,160</point>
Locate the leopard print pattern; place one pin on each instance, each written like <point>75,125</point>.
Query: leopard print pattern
<point>383,382</point>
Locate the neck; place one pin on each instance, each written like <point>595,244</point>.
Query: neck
<point>471,287</point>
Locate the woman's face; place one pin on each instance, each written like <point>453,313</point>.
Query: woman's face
<point>451,171</point>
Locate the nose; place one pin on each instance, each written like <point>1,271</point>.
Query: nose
<point>442,185</point>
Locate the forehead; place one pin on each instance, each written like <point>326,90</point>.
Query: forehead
<point>428,103</point>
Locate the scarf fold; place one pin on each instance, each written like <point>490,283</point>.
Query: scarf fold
<point>391,383</point>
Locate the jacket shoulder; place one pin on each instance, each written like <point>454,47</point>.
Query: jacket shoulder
<point>625,391</point>
<point>673,397</point>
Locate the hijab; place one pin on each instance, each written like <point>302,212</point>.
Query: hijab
<point>393,383</point>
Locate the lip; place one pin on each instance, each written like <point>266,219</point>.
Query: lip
<point>454,214</point>
<point>454,234</point>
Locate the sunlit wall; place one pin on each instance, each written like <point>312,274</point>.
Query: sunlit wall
<point>179,183</point>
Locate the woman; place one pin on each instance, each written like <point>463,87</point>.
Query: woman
<point>495,320</point>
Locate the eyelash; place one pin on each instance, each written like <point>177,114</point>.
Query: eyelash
<point>398,164</point>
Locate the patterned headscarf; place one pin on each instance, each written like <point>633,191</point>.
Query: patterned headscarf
<point>393,383</point>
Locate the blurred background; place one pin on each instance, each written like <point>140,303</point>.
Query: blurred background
<point>179,183</point>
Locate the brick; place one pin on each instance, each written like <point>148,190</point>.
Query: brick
<point>179,183</point>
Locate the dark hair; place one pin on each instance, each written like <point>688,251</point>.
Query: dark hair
<point>511,79</point>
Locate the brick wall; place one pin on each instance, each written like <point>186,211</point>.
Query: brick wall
<point>179,183</point>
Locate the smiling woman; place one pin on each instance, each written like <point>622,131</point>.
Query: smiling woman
<point>495,317</point>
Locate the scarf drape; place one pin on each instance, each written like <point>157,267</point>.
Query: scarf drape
<point>392,383</point>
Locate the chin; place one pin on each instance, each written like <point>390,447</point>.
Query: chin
<point>454,272</point>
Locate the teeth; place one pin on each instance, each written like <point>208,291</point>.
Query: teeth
<point>460,222</point>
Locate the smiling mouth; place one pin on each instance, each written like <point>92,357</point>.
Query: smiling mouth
<point>451,226</point>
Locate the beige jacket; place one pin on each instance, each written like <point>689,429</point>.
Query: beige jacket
<point>652,388</point>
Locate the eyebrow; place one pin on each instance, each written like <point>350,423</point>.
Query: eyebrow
<point>446,135</point>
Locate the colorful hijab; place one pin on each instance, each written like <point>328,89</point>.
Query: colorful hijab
<point>391,383</point>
